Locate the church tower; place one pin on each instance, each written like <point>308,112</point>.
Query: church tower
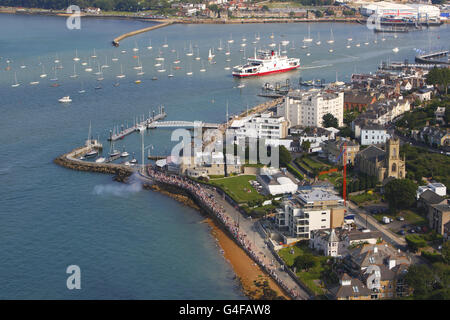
<point>395,165</point>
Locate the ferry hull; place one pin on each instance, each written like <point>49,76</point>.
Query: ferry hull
<point>243,75</point>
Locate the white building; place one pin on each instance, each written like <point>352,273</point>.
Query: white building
<point>310,210</point>
<point>384,8</point>
<point>315,136</point>
<point>274,182</point>
<point>263,126</point>
<point>437,187</point>
<point>374,134</point>
<point>307,108</point>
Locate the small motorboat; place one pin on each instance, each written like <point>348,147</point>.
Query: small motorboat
<point>91,153</point>
<point>100,160</point>
<point>65,99</point>
<point>124,154</point>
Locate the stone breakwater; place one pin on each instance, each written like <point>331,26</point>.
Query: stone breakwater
<point>70,160</point>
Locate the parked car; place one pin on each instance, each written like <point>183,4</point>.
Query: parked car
<point>386,220</point>
<point>412,231</point>
<point>402,232</point>
<point>400,219</point>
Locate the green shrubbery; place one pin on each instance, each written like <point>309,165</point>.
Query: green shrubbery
<point>415,241</point>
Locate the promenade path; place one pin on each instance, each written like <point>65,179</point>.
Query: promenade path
<point>254,236</point>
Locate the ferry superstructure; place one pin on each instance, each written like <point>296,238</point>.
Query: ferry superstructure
<point>266,62</point>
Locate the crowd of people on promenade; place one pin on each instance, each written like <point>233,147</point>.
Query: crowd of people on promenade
<point>201,193</point>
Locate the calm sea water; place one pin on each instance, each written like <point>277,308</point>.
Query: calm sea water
<point>131,244</point>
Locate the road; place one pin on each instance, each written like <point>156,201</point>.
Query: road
<point>362,218</point>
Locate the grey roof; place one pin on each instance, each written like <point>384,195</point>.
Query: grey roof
<point>333,236</point>
<point>431,197</point>
<point>442,207</point>
<point>372,153</point>
<point>365,255</point>
<point>373,127</point>
<point>349,290</point>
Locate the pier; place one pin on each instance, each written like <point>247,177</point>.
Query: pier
<point>116,41</point>
<point>402,65</point>
<point>138,126</point>
<point>428,58</point>
<point>181,124</point>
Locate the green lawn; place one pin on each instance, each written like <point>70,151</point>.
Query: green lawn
<point>307,277</point>
<point>238,188</point>
<point>410,216</point>
<point>282,4</point>
<point>365,197</point>
<point>314,164</point>
<point>421,163</point>
<point>302,165</point>
<point>413,218</point>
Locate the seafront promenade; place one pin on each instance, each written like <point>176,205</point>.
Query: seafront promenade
<point>240,232</point>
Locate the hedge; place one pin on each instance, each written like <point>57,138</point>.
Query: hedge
<point>294,171</point>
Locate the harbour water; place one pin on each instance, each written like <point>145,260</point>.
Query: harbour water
<point>132,244</point>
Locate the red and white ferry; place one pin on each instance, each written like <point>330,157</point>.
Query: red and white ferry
<point>266,62</point>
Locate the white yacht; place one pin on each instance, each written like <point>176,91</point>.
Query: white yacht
<point>124,154</point>
<point>65,99</point>
<point>15,84</point>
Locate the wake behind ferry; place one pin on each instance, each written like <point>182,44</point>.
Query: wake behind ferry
<point>266,62</point>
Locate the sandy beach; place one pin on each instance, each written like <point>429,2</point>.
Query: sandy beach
<point>244,267</point>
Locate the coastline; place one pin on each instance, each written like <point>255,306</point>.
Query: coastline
<point>246,270</point>
<point>182,20</point>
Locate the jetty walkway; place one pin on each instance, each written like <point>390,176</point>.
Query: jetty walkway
<point>116,41</point>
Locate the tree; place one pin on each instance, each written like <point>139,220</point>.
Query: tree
<point>306,144</point>
<point>329,121</point>
<point>446,252</point>
<point>400,194</point>
<point>214,8</point>
<point>305,261</point>
<point>420,278</point>
<point>439,77</point>
<point>285,156</point>
<point>265,8</point>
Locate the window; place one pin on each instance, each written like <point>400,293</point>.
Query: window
<point>324,213</point>
<point>324,220</point>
